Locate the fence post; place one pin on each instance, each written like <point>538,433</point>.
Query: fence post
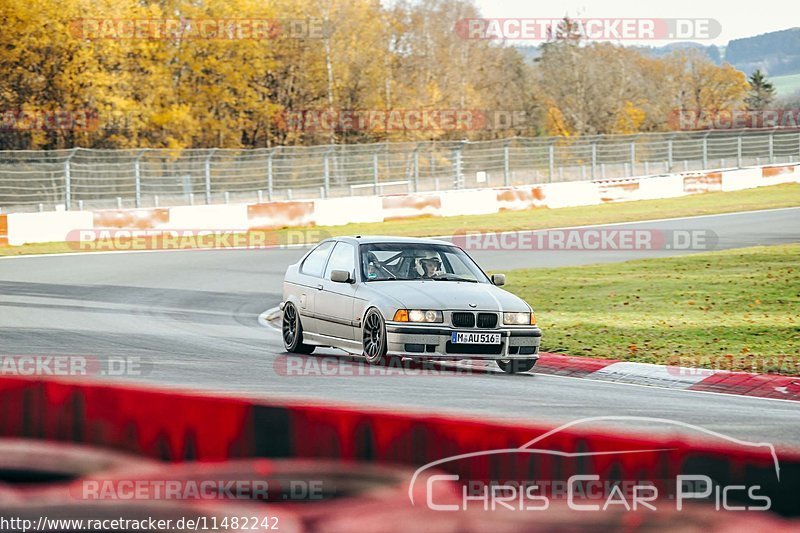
<point>137,176</point>
<point>326,176</point>
<point>269,173</point>
<point>594,160</point>
<point>208,175</point>
<point>68,180</point>
<point>506,172</point>
<point>375,172</point>
<point>457,166</point>
<point>633,158</point>
<point>669,154</point>
<point>416,168</point>
<point>771,141</point>
<point>705,151</point>
<point>739,151</point>
<point>551,161</point>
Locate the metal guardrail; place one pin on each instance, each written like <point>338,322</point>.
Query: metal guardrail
<point>88,178</point>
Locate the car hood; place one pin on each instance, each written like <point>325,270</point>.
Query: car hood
<point>418,294</point>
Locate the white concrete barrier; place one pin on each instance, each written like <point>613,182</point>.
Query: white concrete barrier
<point>777,174</point>
<point>520,198</point>
<point>620,190</point>
<point>470,202</point>
<point>571,194</point>
<point>670,186</point>
<point>340,211</point>
<point>411,205</point>
<point>222,217</point>
<point>50,226</point>
<point>741,178</point>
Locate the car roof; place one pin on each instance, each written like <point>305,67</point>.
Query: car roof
<point>375,239</point>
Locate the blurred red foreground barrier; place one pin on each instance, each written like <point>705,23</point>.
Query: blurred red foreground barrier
<point>178,426</point>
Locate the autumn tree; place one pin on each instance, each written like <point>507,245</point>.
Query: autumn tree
<point>180,90</point>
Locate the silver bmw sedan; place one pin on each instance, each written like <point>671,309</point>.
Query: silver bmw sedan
<point>389,297</point>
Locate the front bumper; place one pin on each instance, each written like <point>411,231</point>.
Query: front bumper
<point>432,341</point>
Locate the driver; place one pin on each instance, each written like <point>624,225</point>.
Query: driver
<point>372,265</point>
<point>430,265</point>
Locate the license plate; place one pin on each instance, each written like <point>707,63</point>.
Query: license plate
<point>472,337</point>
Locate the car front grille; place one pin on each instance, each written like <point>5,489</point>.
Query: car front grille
<point>464,320</point>
<point>487,320</point>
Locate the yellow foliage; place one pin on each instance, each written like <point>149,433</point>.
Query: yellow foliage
<point>556,125</point>
<point>629,119</point>
<point>183,91</point>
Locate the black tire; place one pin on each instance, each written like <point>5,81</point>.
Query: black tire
<point>513,366</point>
<point>292,331</point>
<point>373,338</point>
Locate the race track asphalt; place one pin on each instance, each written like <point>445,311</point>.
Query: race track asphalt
<point>190,318</point>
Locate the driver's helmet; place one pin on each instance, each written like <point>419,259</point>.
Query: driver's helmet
<point>429,260</point>
<point>371,265</point>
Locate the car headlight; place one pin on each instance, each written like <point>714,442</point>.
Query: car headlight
<point>418,315</point>
<point>519,319</point>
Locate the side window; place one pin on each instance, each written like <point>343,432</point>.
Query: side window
<point>315,262</point>
<point>342,258</point>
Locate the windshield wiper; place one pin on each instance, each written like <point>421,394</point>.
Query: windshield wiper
<point>454,278</point>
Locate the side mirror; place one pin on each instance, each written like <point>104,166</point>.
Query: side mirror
<point>499,279</point>
<point>340,276</point>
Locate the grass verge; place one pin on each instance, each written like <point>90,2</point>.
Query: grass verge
<point>729,310</point>
<point>787,195</point>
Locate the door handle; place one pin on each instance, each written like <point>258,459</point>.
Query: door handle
<point>319,287</point>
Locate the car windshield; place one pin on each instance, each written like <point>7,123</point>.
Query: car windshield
<point>418,261</point>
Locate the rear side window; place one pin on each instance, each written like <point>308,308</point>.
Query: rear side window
<point>342,258</point>
<point>314,264</point>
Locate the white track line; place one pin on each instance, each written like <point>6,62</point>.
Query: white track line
<point>292,246</point>
<point>615,383</point>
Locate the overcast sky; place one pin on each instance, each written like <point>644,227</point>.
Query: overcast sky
<point>737,19</point>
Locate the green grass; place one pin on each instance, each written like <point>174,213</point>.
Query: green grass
<point>735,309</point>
<point>786,85</point>
<point>787,195</point>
